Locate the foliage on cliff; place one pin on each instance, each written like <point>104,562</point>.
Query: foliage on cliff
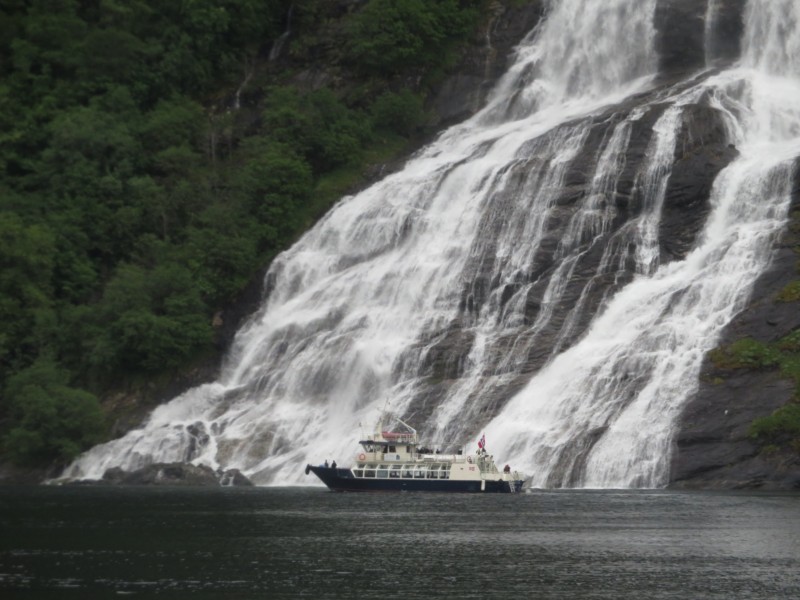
<point>154,159</point>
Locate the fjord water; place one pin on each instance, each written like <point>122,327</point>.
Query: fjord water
<point>416,294</point>
<point>276,543</point>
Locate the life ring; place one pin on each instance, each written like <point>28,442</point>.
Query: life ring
<point>469,459</point>
<point>362,456</point>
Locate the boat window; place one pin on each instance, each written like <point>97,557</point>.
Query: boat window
<point>391,449</point>
<point>408,471</point>
<point>419,472</point>
<point>358,472</point>
<point>369,473</point>
<point>383,471</point>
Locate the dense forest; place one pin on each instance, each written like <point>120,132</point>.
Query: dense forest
<point>156,155</point>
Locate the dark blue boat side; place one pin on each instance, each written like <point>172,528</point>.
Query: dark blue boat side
<point>342,480</point>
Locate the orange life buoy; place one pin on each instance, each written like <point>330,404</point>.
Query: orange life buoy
<point>362,456</point>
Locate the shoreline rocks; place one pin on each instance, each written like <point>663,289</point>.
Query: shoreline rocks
<point>173,474</point>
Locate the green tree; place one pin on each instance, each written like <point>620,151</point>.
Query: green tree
<point>26,267</point>
<point>49,419</point>
<point>149,321</point>
<point>394,35</point>
<point>318,126</point>
<point>401,113</point>
<point>134,204</point>
<point>781,426</point>
<point>222,248</point>
<point>274,185</point>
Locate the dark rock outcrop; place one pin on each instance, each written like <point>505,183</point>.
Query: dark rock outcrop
<point>181,474</point>
<point>725,38</point>
<point>703,151</point>
<point>234,478</point>
<point>680,27</point>
<point>713,448</point>
<point>11,474</point>
<point>686,42</point>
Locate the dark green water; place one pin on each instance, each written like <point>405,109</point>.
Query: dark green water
<point>310,543</point>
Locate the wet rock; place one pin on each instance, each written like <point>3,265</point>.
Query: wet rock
<point>712,448</point>
<point>198,440</point>
<point>701,153</point>
<point>724,40</point>
<point>680,28</point>
<point>234,478</point>
<point>684,42</point>
<point>180,474</point>
<point>11,474</point>
<point>164,474</point>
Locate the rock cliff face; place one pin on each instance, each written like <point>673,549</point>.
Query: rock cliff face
<point>713,449</point>
<point>702,150</point>
<point>713,446</point>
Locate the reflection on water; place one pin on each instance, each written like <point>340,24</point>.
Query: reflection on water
<point>306,542</point>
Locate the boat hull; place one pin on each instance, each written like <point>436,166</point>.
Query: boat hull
<point>342,480</point>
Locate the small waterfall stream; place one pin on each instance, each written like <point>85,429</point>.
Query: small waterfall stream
<point>499,281</point>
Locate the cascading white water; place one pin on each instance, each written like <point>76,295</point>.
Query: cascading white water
<point>359,308</point>
<point>602,414</point>
<point>583,50</point>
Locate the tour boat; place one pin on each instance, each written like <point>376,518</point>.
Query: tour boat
<point>393,461</point>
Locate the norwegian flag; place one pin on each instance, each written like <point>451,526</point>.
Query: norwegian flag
<point>482,442</point>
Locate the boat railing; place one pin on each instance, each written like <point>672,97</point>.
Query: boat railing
<point>402,438</point>
<point>443,457</point>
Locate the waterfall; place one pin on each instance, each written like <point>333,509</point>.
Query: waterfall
<point>511,275</point>
<point>582,50</point>
<point>278,44</point>
<point>602,414</point>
